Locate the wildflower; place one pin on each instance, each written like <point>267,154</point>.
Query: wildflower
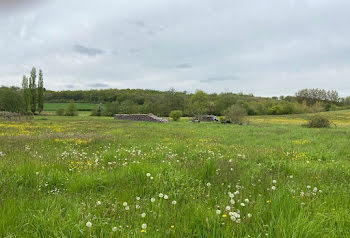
<point>151,178</point>
<point>249,215</point>
<point>114,229</point>
<point>242,204</point>
<point>308,186</point>
<point>138,198</point>
<point>143,215</point>
<point>153,199</point>
<point>228,208</point>
<point>125,204</point>
<point>88,224</point>
<point>273,187</point>
<point>127,208</point>
<point>144,226</point>
<point>224,215</point>
<point>208,184</point>
<point>148,174</point>
<point>37,173</point>
<point>143,231</point>
<point>233,218</point>
<point>161,195</point>
<point>231,195</point>
<point>172,226</point>
<point>320,191</point>
<point>238,221</point>
<point>274,181</point>
<point>246,200</point>
<point>218,212</point>
<point>173,202</point>
<point>166,197</point>
<point>98,203</point>
<point>137,206</point>
<point>232,201</point>
<point>315,189</point>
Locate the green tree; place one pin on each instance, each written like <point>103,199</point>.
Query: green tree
<point>71,109</point>
<point>176,115</point>
<point>11,100</point>
<point>32,90</point>
<point>199,103</point>
<point>25,93</point>
<point>40,92</point>
<point>236,114</point>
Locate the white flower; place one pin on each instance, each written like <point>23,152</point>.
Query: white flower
<point>315,189</point>
<point>151,178</point>
<point>148,174</point>
<point>236,193</point>
<point>273,187</point>
<point>138,198</point>
<point>161,195</point>
<point>246,200</point>
<point>274,181</point>
<point>98,203</point>
<point>125,204</point>
<point>173,202</point>
<point>291,176</point>
<point>320,191</point>
<point>308,186</point>
<point>228,208</point>
<point>88,224</point>
<point>218,212</point>
<point>301,194</point>
<point>242,204</point>
<point>233,218</point>
<point>165,196</point>
<point>232,201</point>
<point>153,199</point>
<point>37,173</point>
<point>137,206</point>
<point>231,195</point>
<point>238,220</point>
<point>249,215</point>
<point>114,229</point>
<point>144,226</point>
<point>127,208</point>
<point>231,213</point>
<point>208,184</point>
<point>143,215</point>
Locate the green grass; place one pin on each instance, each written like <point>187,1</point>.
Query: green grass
<point>53,173</point>
<point>80,106</point>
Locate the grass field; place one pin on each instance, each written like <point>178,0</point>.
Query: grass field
<point>81,106</point>
<point>271,178</point>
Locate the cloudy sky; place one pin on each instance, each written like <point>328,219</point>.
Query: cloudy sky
<point>264,47</point>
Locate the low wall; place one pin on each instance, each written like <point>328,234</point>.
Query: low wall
<point>139,117</point>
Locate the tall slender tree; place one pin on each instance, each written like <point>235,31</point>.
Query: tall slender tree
<point>40,92</point>
<point>25,93</point>
<point>32,90</point>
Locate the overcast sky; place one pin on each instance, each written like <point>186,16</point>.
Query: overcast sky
<point>264,47</point>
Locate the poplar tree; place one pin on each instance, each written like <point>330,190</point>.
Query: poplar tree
<point>40,92</point>
<point>32,90</point>
<point>25,93</point>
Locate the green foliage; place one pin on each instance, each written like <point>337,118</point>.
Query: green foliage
<point>33,90</point>
<point>199,103</point>
<point>60,112</point>
<point>71,109</point>
<point>40,92</point>
<point>25,93</point>
<point>97,111</point>
<point>176,115</point>
<point>318,121</point>
<point>11,100</point>
<point>236,114</point>
<point>111,108</point>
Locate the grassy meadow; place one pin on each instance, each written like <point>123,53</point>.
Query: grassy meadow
<point>50,107</point>
<point>96,177</point>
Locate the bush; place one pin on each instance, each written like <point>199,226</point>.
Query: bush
<point>175,115</point>
<point>236,114</point>
<point>97,111</point>
<point>60,112</point>
<point>71,110</point>
<point>318,122</point>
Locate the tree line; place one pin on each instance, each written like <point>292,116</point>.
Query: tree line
<point>29,98</point>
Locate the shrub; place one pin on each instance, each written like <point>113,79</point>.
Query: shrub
<point>175,115</point>
<point>60,112</point>
<point>318,122</point>
<point>236,114</point>
<point>97,111</point>
<point>71,110</point>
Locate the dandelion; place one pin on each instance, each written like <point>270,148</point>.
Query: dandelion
<point>274,181</point>
<point>144,226</point>
<point>218,212</point>
<point>273,187</point>
<point>228,208</point>
<point>37,173</point>
<point>242,204</point>
<point>143,231</point>
<point>308,186</point>
<point>88,224</point>
<point>208,184</point>
<point>153,199</point>
<point>173,202</point>
<point>125,204</point>
<point>166,197</point>
<point>114,229</point>
<point>161,195</point>
<point>315,190</point>
<point>172,226</point>
<point>98,203</point>
<point>224,215</point>
<point>246,200</point>
<point>148,174</point>
<point>232,201</point>
<point>233,218</point>
<point>238,221</point>
<point>138,198</point>
<point>143,215</point>
<point>249,215</point>
<point>137,206</point>
<point>127,208</point>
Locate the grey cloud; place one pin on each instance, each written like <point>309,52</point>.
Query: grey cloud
<point>69,86</point>
<point>219,78</point>
<point>87,51</point>
<point>183,66</point>
<point>98,85</point>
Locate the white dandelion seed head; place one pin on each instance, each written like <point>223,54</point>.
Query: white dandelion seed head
<point>153,199</point>
<point>227,208</point>
<point>127,208</point>
<point>114,229</point>
<point>173,202</point>
<point>125,204</point>
<point>246,200</point>
<point>144,226</point>
<point>148,174</point>
<point>273,187</point>
<point>143,215</point>
<point>274,181</point>
<point>249,215</point>
<point>218,212</point>
<point>166,197</point>
<point>242,204</point>
<point>88,224</point>
<point>161,195</point>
